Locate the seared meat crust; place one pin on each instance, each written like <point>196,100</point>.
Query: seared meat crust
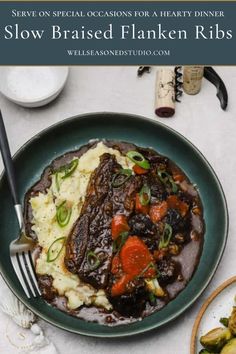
<point>91,233</point>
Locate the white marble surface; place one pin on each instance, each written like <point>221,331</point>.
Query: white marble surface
<point>199,118</point>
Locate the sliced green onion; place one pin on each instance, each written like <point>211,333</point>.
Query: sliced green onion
<point>145,195</point>
<point>70,168</point>
<point>63,214</point>
<point>166,236</point>
<point>65,171</point>
<point>55,249</point>
<point>138,159</point>
<point>154,287</point>
<point>150,265</point>
<point>167,180</point>
<point>121,177</point>
<point>93,260</point>
<point>152,298</point>
<point>58,180</point>
<point>174,186</point>
<point>119,242</point>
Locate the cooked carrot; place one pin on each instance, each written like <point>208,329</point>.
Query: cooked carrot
<point>158,211</point>
<point>174,202</point>
<point>144,209</point>
<point>119,224</point>
<point>160,254</point>
<point>135,256</point>
<point>150,272</point>
<point>178,178</point>
<point>139,170</point>
<point>115,266</point>
<point>183,208</point>
<point>135,260</point>
<point>119,287</point>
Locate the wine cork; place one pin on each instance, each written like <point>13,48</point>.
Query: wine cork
<point>192,79</point>
<point>165,93</point>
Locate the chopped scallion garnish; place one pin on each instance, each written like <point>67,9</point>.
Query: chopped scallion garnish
<point>154,287</point>
<point>70,168</point>
<point>151,265</point>
<point>58,180</point>
<point>55,249</point>
<point>166,236</point>
<point>119,242</point>
<point>152,298</point>
<point>167,180</point>
<point>63,214</point>
<point>93,260</point>
<point>65,171</point>
<point>138,159</point>
<point>121,177</point>
<point>145,195</point>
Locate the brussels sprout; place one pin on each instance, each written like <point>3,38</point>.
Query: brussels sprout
<point>216,339</point>
<point>204,351</point>
<point>232,321</point>
<point>230,347</point>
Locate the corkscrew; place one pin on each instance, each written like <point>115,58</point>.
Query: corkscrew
<point>178,83</point>
<point>143,69</point>
<point>211,75</point>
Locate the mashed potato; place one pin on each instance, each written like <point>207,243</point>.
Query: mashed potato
<point>73,190</point>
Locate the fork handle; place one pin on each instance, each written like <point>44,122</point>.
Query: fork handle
<point>7,161</point>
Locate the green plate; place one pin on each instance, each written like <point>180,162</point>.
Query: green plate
<point>70,134</point>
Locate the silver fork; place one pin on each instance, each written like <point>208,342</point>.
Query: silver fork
<point>20,248</point>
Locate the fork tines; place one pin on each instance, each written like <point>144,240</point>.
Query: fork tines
<point>23,266</point>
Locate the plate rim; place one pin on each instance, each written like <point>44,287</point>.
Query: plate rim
<point>221,191</point>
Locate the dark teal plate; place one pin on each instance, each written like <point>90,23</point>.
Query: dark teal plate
<point>70,134</point>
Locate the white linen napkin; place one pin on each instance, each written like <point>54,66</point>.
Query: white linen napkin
<point>33,337</point>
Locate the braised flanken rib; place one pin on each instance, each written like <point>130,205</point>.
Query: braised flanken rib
<point>91,233</point>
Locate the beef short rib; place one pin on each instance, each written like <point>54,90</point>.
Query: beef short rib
<point>89,245</point>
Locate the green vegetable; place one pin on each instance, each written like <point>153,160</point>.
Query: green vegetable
<point>69,168</point>
<point>63,214</point>
<point>216,339</point>
<point>154,287</point>
<point>150,265</point>
<point>167,180</point>
<point>121,177</point>
<point>204,351</point>
<point>232,321</point>
<point>58,180</point>
<point>119,242</point>
<point>224,321</point>
<point>230,347</point>
<point>152,298</point>
<point>65,171</point>
<point>93,260</point>
<point>138,159</point>
<point>145,195</point>
<point>55,249</point>
<point>166,236</point>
